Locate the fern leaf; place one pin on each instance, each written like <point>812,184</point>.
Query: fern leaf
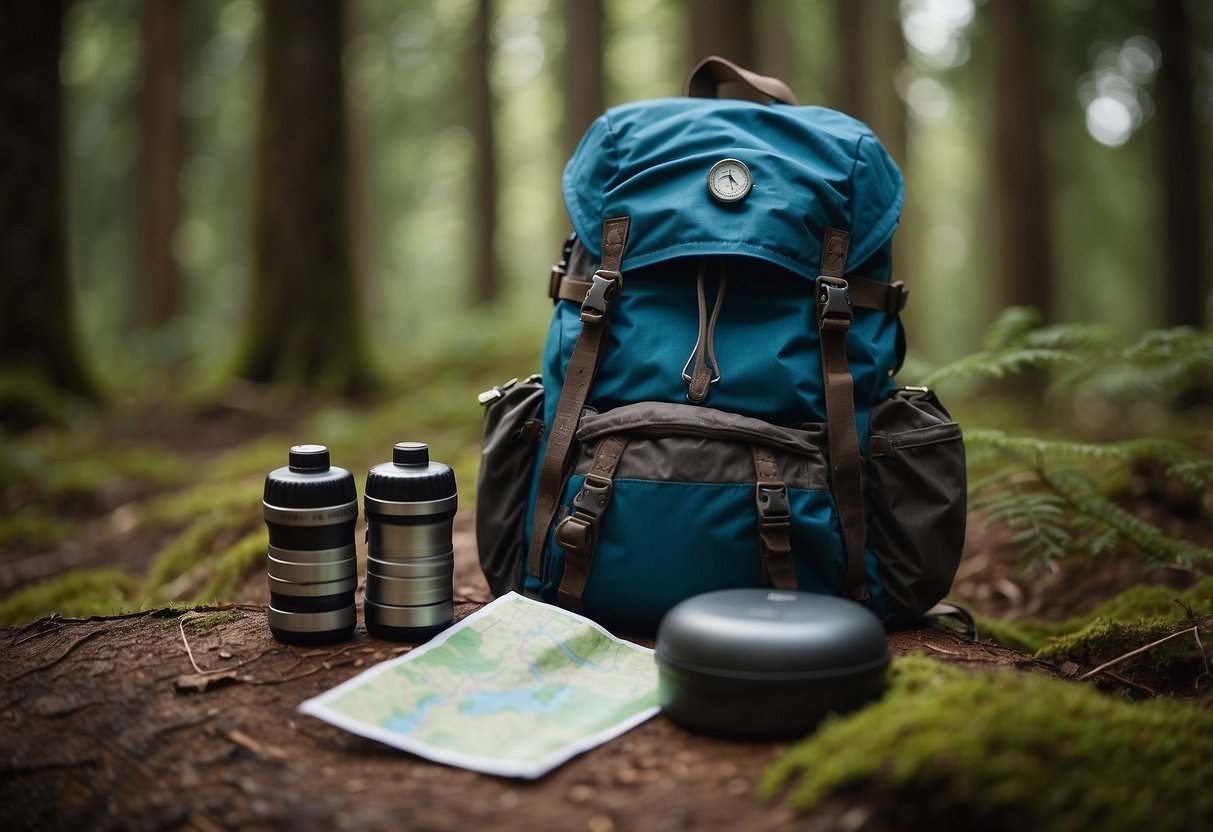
<point>1009,327</point>
<point>999,364</point>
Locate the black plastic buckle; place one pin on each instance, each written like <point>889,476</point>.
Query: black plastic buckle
<point>833,300</point>
<point>773,506</point>
<point>599,297</point>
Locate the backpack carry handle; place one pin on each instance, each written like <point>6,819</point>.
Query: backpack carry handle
<point>714,71</point>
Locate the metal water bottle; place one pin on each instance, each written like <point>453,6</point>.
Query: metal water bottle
<point>410,508</point>
<point>311,508</point>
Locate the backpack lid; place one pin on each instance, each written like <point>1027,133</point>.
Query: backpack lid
<point>812,168</point>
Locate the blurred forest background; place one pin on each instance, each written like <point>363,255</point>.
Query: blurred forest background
<point>234,225</point>
<point>324,194</point>
<point>230,226</point>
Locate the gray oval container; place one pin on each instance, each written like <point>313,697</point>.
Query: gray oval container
<point>765,664</point>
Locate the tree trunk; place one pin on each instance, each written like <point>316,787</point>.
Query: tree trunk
<point>485,286</point>
<point>583,82</point>
<point>161,155</point>
<point>1025,261</point>
<point>724,28</point>
<point>38,335</point>
<point>1183,226</point>
<point>850,60</point>
<point>303,324</point>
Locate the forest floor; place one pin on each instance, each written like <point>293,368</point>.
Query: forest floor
<point>108,722</point>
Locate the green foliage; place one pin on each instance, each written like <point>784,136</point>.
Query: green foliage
<point>1058,494</point>
<point>1048,492</point>
<point>34,526</point>
<point>209,509</point>
<point>192,548</point>
<point>201,623</point>
<point>1061,756</point>
<point>77,594</point>
<point>1091,358</point>
<point>1153,607</point>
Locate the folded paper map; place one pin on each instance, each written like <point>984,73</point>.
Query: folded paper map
<point>515,689</point>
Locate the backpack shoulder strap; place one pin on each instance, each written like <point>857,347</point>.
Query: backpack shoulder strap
<point>595,313</point>
<point>834,321</point>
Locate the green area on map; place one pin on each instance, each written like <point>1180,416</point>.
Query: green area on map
<point>518,685</point>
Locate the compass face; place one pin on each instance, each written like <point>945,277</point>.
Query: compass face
<point>729,181</point>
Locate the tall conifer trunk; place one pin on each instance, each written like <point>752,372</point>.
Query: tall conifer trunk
<point>303,327</point>
<point>38,337</point>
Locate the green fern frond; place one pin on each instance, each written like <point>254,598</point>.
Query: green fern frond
<point>999,364</point>
<point>1158,547</point>
<point>1194,473</point>
<point>1048,493</point>
<point>1009,327</point>
<point>1160,364</point>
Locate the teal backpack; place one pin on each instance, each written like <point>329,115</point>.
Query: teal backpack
<point>717,406</point>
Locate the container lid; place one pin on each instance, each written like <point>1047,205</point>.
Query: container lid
<point>771,634</point>
<point>308,481</point>
<point>411,477</point>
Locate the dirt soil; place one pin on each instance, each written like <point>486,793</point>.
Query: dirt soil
<point>107,723</point>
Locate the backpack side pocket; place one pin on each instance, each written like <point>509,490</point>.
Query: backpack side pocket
<point>513,427</point>
<point>915,495</point>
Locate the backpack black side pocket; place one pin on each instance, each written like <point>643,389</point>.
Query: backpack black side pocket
<point>513,426</point>
<point>915,497</point>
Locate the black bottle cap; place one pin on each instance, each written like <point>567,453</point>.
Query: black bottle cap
<point>309,458</point>
<point>411,453</point>
<point>410,477</point>
<point>309,481</point>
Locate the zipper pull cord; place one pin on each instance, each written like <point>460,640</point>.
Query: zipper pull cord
<point>706,371</point>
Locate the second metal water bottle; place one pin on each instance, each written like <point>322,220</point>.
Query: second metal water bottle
<point>410,508</point>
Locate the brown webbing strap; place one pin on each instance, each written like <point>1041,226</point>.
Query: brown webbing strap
<point>577,534</point>
<point>578,376</point>
<point>866,292</point>
<point>713,71</point>
<point>774,522</point>
<point>834,321</point>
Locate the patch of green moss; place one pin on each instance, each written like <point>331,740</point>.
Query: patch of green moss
<point>32,525</point>
<point>232,566</point>
<point>1060,755</point>
<point>53,465</point>
<point>77,594</point>
<point>1138,603</point>
<point>194,546</point>
<point>1104,639</point>
<point>204,622</point>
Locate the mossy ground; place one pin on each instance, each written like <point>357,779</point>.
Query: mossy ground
<point>202,509</point>
<point>1139,616</point>
<point>1054,754</point>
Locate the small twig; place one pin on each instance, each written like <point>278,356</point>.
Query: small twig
<point>930,646</point>
<point>1204,657</point>
<point>190,653</point>
<point>1124,680</point>
<point>248,680</point>
<point>1138,652</point>
<point>260,750</point>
